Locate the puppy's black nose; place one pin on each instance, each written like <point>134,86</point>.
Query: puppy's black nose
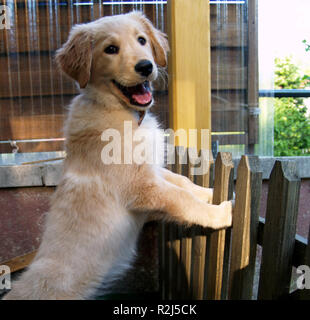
<point>144,67</point>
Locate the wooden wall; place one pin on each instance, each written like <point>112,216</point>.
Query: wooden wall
<point>33,93</point>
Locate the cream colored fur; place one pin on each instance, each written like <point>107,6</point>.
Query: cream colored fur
<point>98,210</point>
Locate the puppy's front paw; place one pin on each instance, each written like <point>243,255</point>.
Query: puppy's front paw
<point>225,216</point>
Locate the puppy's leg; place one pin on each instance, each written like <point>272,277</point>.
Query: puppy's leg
<point>43,280</point>
<point>204,194</point>
<point>77,253</point>
<point>59,278</point>
<point>181,205</point>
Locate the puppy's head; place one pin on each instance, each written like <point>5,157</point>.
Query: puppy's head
<point>118,54</point>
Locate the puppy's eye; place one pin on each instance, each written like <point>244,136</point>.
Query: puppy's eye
<point>111,50</point>
<point>142,41</point>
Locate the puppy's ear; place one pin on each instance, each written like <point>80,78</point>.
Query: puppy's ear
<point>75,56</point>
<point>159,42</point>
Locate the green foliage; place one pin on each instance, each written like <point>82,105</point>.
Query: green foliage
<point>291,124</point>
<point>292,129</point>
<point>307,45</point>
<point>287,75</point>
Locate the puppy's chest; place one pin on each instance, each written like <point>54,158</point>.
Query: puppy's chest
<point>145,142</point>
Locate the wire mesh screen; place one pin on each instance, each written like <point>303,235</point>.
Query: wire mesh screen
<point>229,75</point>
<point>33,92</point>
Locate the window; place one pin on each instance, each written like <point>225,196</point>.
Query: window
<point>284,75</point>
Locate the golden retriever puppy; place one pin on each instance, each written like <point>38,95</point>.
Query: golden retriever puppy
<point>99,207</point>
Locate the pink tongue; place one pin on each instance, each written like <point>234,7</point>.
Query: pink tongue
<point>143,98</point>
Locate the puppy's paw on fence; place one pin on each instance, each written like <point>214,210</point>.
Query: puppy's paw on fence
<point>223,218</point>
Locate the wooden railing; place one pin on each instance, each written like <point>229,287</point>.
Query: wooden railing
<point>197,263</point>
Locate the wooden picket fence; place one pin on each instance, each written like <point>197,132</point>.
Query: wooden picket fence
<point>198,263</point>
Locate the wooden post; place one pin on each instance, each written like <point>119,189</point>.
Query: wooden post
<point>279,231</point>
<point>189,67</point>
<point>244,234</point>
<point>252,96</point>
<point>223,168</point>
<point>189,89</point>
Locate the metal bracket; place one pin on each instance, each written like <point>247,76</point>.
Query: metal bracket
<point>14,146</point>
<point>254,111</point>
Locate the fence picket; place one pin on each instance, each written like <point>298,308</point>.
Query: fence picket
<point>223,168</point>
<point>256,192</point>
<point>164,258</point>
<point>279,231</point>
<point>244,232</point>
<point>227,247</point>
<point>199,241</point>
<point>178,277</point>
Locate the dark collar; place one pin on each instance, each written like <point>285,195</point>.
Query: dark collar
<point>141,116</point>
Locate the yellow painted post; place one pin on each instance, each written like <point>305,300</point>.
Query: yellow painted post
<point>189,67</point>
<point>190,96</point>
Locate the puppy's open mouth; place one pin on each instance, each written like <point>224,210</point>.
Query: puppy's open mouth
<point>139,95</point>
